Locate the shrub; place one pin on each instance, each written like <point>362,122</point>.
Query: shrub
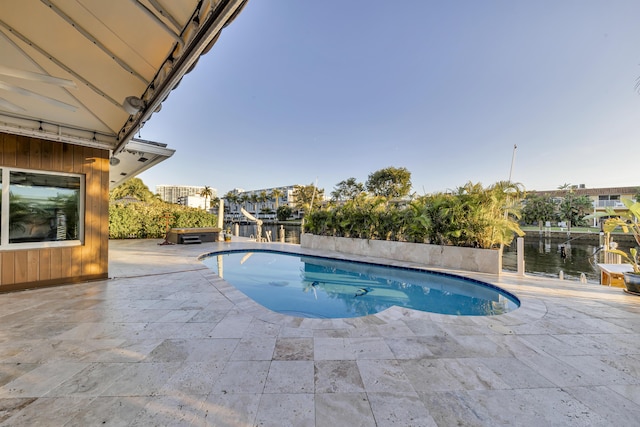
<point>149,220</point>
<point>472,216</point>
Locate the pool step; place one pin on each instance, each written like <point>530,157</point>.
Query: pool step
<point>190,239</point>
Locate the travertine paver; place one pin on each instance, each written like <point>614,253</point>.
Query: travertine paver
<point>167,342</point>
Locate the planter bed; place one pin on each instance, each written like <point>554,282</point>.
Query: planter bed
<point>454,257</point>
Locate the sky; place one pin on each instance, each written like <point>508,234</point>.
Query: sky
<point>317,92</point>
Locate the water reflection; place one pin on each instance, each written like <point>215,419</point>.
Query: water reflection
<point>545,256</point>
<point>304,286</point>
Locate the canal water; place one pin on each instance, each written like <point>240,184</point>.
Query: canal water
<point>543,256</point>
<point>548,256</point>
<point>291,232</point>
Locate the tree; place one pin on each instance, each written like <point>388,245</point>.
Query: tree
<point>390,182</point>
<point>307,197</point>
<point>231,197</point>
<point>254,199</point>
<point>243,199</point>
<point>564,208</point>
<point>215,202</point>
<point>347,190</point>
<point>283,213</point>
<point>470,216</point>
<point>262,198</point>
<point>207,194</point>
<point>538,209</point>
<point>133,187</point>
<point>275,194</point>
<point>574,208</point>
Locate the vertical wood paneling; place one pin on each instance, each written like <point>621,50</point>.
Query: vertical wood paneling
<point>46,162</point>
<point>65,262</point>
<point>9,155</point>
<point>33,267</point>
<point>21,266</point>
<point>57,157</point>
<point>56,261</point>
<point>67,158</point>
<point>76,267</point>
<point>69,263</point>
<point>8,267</point>
<point>79,158</point>
<point>44,267</point>
<point>89,212</point>
<point>103,233</point>
<point>23,151</point>
<point>35,154</point>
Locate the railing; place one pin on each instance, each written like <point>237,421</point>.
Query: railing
<point>609,204</point>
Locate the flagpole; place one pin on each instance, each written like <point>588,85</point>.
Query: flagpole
<point>513,159</point>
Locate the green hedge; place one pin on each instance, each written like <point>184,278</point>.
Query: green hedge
<point>148,220</point>
<point>472,216</point>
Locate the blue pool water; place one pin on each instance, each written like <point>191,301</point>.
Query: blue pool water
<point>305,286</point>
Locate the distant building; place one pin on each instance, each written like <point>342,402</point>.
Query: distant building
<point>171,193</point>
<point>603,199</point>
<point>193,201</point>
<point>260,203</point>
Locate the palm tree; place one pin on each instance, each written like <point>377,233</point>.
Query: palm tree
<point>262,198</point>
<point>243,199</point>
<point>275,194</point>
<point>254,199</point>
<point>215,202</point>
<point>207,194</point>
<point>307,195</point>
<point>231,197</point>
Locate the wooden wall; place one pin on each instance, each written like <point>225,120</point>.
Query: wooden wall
<point>30,268</point>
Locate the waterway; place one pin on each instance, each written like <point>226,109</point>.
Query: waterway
<point>543,256</point>
<point>292,232</point>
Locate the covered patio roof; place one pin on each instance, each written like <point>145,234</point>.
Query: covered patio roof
<point>91,73</point>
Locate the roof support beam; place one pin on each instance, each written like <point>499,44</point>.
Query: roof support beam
<point>6,37</point>
<point>54,132</point>
<point>158,21</point>
<point>94,40</point>
<point>166,14</point>
<point>58,63</point>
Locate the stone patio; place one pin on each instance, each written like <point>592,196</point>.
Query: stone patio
<point>165,342</point>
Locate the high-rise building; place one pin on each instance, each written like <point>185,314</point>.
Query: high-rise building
<point>193,201</point>
<point>171,193</point>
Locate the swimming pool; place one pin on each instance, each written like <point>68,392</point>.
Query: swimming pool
<point>318,287</point>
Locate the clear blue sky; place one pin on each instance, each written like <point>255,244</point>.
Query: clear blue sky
<point>296,91</point>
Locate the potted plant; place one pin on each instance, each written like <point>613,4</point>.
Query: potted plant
<point>227,235</point>
<point>628,222</point>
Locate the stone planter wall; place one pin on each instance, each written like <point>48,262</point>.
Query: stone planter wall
<point>458,258</point>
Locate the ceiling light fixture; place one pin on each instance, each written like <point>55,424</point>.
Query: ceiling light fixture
<point>132,104</point>
<point>114,161</point>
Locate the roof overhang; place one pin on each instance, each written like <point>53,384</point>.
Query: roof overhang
<point>138,156</point>
<point>92,72</point>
